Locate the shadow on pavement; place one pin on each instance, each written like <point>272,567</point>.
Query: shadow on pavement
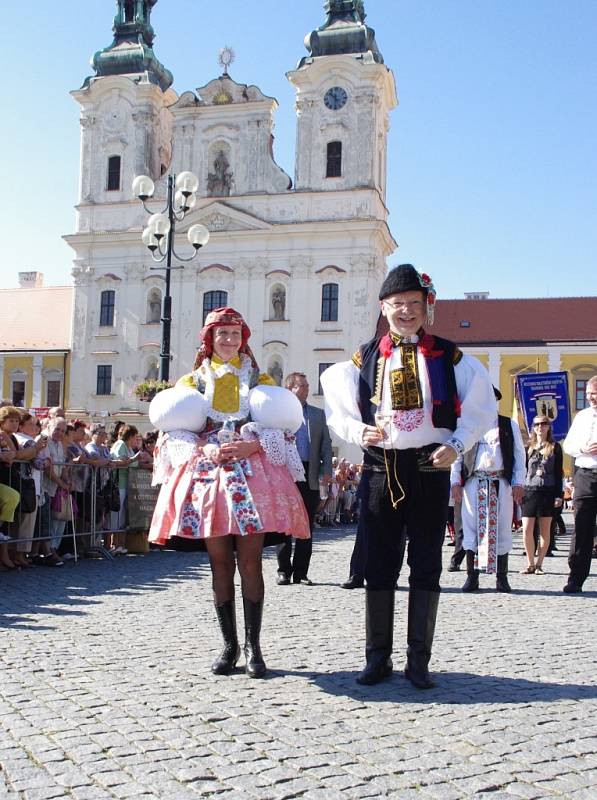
<point>459,688</point>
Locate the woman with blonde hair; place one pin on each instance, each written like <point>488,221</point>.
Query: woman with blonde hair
<point>542,491</point>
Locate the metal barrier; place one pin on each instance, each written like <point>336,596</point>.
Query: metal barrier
<point>88,512</point>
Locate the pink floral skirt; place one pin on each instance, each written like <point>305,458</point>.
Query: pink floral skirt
<point>197,503</point>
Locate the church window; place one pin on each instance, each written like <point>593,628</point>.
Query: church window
<point>104,379</point>
<point>329,302</point>
<point>322,368</point>
<point>114,173</point>
<point>213,300</point>
<point>107,308</point>
<point>334,160</point>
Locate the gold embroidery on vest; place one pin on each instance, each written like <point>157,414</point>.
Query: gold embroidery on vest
<point>357,359</point>
<point>405,387</point>
<point>376,396</point>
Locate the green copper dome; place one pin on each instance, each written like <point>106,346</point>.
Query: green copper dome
<point>131,51</point>
<point>344,31</point>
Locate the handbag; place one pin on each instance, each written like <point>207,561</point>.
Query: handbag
<point>28,496</point>
<point>63,506</point>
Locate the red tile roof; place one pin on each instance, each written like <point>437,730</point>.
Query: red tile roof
<point>515,321</point>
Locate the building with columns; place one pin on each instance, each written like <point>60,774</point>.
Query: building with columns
<point>302,258</point>
<point>35,335</point>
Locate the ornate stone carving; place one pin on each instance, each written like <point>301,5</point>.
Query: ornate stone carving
<point>219,182</point>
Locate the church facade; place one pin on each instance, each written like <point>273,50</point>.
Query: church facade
<point>301,258</point>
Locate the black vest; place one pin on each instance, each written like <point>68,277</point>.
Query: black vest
<point>441,378</point>
<point>506,446</point>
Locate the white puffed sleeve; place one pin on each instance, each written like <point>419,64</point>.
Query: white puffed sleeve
<point>340,384</point>
<point>477,401</point>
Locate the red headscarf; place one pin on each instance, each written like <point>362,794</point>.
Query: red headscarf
<point>217,319</point>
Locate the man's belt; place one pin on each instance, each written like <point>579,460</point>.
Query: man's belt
<point>490,474</point>
<point>421,456</point>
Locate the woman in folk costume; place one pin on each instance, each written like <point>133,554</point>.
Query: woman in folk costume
<point>229,486</point>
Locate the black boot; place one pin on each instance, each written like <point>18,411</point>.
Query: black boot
<point>422,613</point>
<point>255,665</point>
<point>227,659</point>
<point>379,617</point>
<point>501,578</point>
<point>354,582</point>
<point>456,561</point>
<point>472,581</point>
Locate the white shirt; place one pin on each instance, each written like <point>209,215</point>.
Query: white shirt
<point>415,428</point>
<point>489,456</point>
<point>583,431</point>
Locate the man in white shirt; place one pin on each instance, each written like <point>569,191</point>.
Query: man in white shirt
<point>581,443</point>
<point>413,402</point>
<point>487,480</point>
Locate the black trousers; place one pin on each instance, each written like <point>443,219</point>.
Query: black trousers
<point>297,567</point>
<point>421,516</point>
<point>585,505</point>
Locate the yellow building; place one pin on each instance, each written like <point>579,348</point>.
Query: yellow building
<point>35,343</point>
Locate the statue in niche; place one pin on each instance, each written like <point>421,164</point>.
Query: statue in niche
<point>219,182</point>
<point>275,372</point>
<point>155,310</point>
<point>153,371</point>
<point>279,302</point>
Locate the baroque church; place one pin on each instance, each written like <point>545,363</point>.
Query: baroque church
<point>300,257</point>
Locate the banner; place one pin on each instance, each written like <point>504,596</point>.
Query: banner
<point>545,394</point>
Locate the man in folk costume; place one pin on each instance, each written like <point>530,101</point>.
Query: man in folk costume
<point>487,480</point>
<point>413,402</point>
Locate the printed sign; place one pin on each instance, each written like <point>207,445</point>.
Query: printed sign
<point>545,394</point>
<point>142,497</point>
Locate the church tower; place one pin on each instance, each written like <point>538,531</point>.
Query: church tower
<point>344,93</point>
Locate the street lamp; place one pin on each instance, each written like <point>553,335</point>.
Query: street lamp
<point>158,237</point>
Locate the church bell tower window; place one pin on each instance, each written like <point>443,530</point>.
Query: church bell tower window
<point>334,160</point>
<point>114,174</point>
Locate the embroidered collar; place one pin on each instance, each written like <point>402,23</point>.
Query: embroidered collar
<point>211,374</point>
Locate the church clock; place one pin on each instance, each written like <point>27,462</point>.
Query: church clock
<point>335,98</point>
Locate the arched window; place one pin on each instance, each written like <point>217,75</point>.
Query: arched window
<point>334,160</point>
<point>114,173</point>
<point>129,10</point>
<point>107,308</point>
<point>154,306</point>
<point>213,300</point>
<point>329,302</point>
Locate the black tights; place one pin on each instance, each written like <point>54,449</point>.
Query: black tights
<point>223,561</point>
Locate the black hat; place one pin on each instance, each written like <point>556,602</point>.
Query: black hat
<point>403,278</point>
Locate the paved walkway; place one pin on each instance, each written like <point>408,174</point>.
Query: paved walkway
<point>106,691</point>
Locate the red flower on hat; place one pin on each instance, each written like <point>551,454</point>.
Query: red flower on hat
<point>426,279</point>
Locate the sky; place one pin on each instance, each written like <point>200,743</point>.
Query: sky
<point>492,166</point>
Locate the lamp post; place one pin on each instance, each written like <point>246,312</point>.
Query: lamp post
<point>158,237</point>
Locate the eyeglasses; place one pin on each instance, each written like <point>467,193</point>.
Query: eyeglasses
<point>540,424</point>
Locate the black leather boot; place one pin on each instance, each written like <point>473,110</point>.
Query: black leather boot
<point>226,661</point>
<point>379,621</point>
<point>501,578</point>
<point>472,581</point>
<point>422,613</point>
<point>456,561</point>
<point>255,665</point>
<point>354,582</point>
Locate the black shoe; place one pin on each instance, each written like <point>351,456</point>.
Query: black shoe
<point>501,578</point>
<point>375,672</point>
<point>572,588</point>
<point>472,581</point>
<point>226,661</point>
<point>303,581</point>
<point>354,582</point>
<point>255,665</point>
<point>453,567</point>
<point>282,580</point>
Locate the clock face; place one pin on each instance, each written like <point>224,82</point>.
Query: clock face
<point>335,98</point>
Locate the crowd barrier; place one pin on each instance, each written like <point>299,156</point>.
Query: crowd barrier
<point>90,512</point>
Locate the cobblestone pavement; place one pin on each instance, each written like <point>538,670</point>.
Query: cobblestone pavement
<point>106,690</point>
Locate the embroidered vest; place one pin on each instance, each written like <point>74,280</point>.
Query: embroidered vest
<point>506,446</point>
<point>442,380</point>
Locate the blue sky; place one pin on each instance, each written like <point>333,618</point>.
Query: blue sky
<point>492,167</point>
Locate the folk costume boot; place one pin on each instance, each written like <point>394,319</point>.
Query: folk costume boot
<point>255,665</point>
<point>456,561</point>
<point>422,613</point>
<point>501,577</point>
<point>379,621</point>
<point>226,661</point>
<point>472,581</point>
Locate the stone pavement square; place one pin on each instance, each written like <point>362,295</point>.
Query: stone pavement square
<point>106,691</point>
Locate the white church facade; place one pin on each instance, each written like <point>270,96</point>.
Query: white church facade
<point>302,259</point>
